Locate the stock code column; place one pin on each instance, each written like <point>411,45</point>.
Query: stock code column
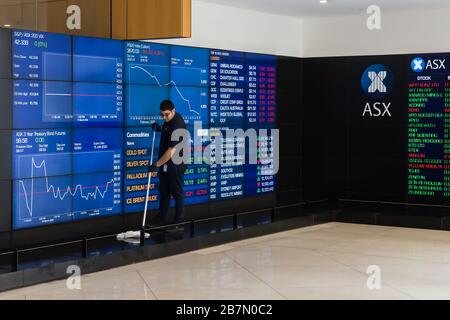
<point>428,130</point>
<point>227,100</point>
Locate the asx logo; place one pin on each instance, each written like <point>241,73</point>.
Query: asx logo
<point>377,109</point>
<point>418,64</point>
<point>377,81</point>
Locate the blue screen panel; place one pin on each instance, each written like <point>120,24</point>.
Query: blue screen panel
<point>97,60</point>
<point>147,63</point>
<point>98,194</point>
<point>41,153</point>
<point>189,66</point>
<point>260,178</point>
<point>97,104</point>
<point>227,89</point>
<point>196,177</point>
<point>191,103</point>
<point>226,182</point>
<point>142,104</point>
<point>199,140</point>
<point>41,201</point>
<point>135,191</point>
<point>196,184</point>
<point>138,143</point>
<point>42,104</point>
<point>256,183</point>
<point>41,56</point>
<point>97,150</point>
<point>261,94</point>
<point>227,170</point>
<point>50,200</point>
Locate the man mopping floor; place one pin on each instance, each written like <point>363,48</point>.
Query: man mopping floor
<point>171,175</point>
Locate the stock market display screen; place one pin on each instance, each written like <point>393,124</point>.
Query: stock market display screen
<point>429,128</point>
<point>82,110</point>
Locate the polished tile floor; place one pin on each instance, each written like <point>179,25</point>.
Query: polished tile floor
<point>328,261</point>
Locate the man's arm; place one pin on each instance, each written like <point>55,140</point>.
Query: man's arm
<point>165,157</point>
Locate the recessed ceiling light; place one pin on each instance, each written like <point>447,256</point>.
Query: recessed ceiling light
<point>7,25</point>
<point>323,1</point>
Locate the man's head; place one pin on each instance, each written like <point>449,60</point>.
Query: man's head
<point>167,110</point>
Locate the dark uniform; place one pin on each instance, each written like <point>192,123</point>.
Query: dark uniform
<point>171,182</point>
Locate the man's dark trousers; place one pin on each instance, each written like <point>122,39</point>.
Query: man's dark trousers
<point>171,184</point>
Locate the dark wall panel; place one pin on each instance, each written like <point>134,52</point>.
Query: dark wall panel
<point>325,127</point>
<point>290,123</point>
<point>5,207</point>
<point>290,140</point>
<point>347,154</point>
<point>290,174</point>
<point>5,54</point>
<point>6,103</point>
<point>5,154</point>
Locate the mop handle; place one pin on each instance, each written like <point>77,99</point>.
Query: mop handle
<point>149,181</point>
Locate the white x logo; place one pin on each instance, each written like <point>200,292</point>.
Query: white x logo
<point>418,64</point>
<point>377,81</point>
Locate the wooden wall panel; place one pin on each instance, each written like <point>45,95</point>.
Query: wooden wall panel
<point>155,19</point>
<point>119,19</point>
<point>51,16</point>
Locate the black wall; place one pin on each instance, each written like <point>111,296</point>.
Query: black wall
<point>347,155</point>
<point>290,122</point>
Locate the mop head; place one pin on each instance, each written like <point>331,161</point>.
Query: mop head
<point>130,235</point>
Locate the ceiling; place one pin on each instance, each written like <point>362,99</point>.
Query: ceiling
<point>312,8</point>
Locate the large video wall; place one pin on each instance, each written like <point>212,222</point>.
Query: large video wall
<point>81,115</point>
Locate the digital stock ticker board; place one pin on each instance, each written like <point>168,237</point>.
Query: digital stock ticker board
<point>81,115</point>
<point>429,128</point>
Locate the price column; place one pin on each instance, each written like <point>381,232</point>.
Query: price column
<point>447,139</point>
